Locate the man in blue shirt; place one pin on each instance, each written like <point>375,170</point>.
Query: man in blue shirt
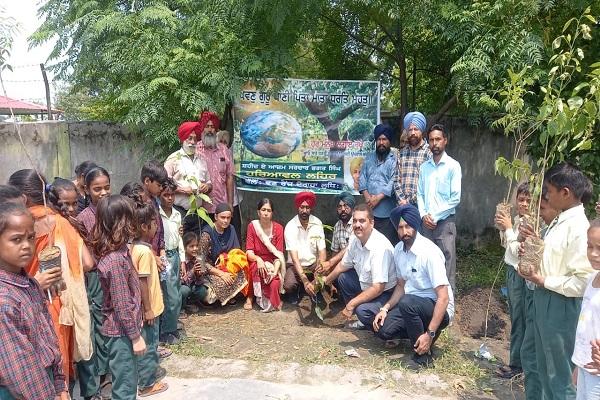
<point>438,195</point>
<point>376,182</point>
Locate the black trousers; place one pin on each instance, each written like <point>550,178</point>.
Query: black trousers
<point>386,228</point>
<point>410,318</point>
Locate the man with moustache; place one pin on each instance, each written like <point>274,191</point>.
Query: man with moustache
<point>341,231</point>
<point>438,195</point>
<point>422,303</point>
<point>219,162</point>
<point>189,172</point>
<point>377,178</point>
<point>305,244</point>
<point>366,275</point>
<point>410,158</point>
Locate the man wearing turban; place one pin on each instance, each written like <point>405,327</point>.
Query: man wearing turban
<point>377,178</point>
<point>344,204</point>
<point>410,158</point>
<point>189,172</point>
<point>366,276</point>
<point>218,159</point>
<point>438,195</point>
<point>422,303</point>
<point>305,244</point>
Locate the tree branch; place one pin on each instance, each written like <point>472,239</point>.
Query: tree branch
<point>359,39</point>
<point>451,102</point>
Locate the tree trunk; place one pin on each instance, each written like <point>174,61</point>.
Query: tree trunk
<point>444,109</point>
<point>401,61</point>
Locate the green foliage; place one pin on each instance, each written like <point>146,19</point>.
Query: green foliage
<point>8,28</point>
<point>477,267</point>
<point>558,123</point>
<point>155,64</point>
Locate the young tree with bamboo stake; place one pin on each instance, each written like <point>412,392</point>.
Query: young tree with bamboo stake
<point>557,265</point>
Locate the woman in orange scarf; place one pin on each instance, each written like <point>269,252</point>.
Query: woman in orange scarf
<point>68,306</point>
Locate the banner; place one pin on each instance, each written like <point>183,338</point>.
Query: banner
<point>304,134</point>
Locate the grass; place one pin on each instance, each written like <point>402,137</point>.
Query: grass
<point>477,267</point>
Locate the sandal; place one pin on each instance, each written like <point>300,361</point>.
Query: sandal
<point>157,388</point>
<point>163,352</point>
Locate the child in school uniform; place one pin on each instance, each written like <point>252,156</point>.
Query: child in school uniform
<point>93,374</point>
<point>585,373</point>
<point>561,281</point>
<point>514,282</point>
<point>30,366</point>
<point>144,262</point>
<point>122,311</point>
<point>171,285</point>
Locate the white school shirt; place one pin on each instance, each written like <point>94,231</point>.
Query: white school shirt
<point>423,268</point>
<point>171,226</point>
<point>307,242</point>
<point>511,243</point>
<point>564,263</point>
<point>588,327</point>
<point>373,262</point>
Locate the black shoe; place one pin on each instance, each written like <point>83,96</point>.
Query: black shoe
<point>508,372</point>
<point>168,338</point>
<point>423,360</point>
<point>160,373</point>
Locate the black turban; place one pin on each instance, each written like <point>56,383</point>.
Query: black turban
<point>347,198</point>
<point>408,213</point>
<point>383,129</point>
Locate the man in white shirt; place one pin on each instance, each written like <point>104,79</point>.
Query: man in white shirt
<point>422,303</point>
<point>366,275</point>
<point>305,244</point>
<point>190,173</point>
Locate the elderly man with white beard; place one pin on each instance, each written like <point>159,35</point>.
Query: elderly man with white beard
<point>218,159</point>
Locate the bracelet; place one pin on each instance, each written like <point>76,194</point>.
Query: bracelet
<point>383,309</point>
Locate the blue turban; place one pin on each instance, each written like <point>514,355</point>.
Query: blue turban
<point>347,198</point>
<point>408,213</point>
<point>383,129</point>
<point>417,119</point>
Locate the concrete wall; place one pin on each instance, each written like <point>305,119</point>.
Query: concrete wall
<point>58,146</point>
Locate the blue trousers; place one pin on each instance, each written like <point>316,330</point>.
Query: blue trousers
<point>349,287</point>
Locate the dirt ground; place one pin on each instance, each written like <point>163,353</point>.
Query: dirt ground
<point>295,336</point>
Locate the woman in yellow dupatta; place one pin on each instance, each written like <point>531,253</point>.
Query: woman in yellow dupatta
<point>68,306</point>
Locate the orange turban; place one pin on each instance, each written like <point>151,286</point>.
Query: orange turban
<point>308,197</point>
<point>187,128</point>
<point>209,116</point>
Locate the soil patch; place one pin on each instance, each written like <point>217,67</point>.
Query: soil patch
<point>471,313</point>
<point>295,338</point>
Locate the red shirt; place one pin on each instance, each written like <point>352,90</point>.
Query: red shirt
<point>28,343</point>
<point>122,298</point>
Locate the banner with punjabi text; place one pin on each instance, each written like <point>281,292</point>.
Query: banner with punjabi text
<point>295,135</point>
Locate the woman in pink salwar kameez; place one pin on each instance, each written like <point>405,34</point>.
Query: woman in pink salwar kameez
<point>264,250</point>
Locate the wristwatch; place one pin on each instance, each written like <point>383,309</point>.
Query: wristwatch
<point>431,333</point>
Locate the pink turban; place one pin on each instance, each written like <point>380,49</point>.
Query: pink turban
<point>209,116</point>
<point>308,197</point>
<point>187,128</point>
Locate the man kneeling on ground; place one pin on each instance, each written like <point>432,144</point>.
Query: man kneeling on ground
<point>422,303</point>
<point>366,275</point>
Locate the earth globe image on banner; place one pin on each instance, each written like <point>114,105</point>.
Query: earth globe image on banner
<point>271,134</point>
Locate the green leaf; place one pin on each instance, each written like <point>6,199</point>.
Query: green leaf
<point>556,42</point>
<point>319,312</point>
<point>567,24</point>
<point>575,102</point>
